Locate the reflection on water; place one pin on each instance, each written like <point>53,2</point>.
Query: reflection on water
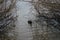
<point>7,29</point>
<point>7,20</point>
<point>39,29</point>
<point>39,32</point>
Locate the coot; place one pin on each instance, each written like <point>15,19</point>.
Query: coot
<point>29,22</point>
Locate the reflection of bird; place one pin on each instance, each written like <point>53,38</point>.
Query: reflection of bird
<point>30,22</point>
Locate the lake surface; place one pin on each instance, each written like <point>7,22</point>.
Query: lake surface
<point>25,12</point>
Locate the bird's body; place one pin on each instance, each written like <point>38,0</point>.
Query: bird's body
<point>30,22</point>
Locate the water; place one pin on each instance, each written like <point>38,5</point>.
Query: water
<point>24,31</point>
<point>24,14</point>
<point>38,30</point>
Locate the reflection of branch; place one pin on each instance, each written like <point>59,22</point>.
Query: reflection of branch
<point>37,9</point>
<point>7,9</point>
